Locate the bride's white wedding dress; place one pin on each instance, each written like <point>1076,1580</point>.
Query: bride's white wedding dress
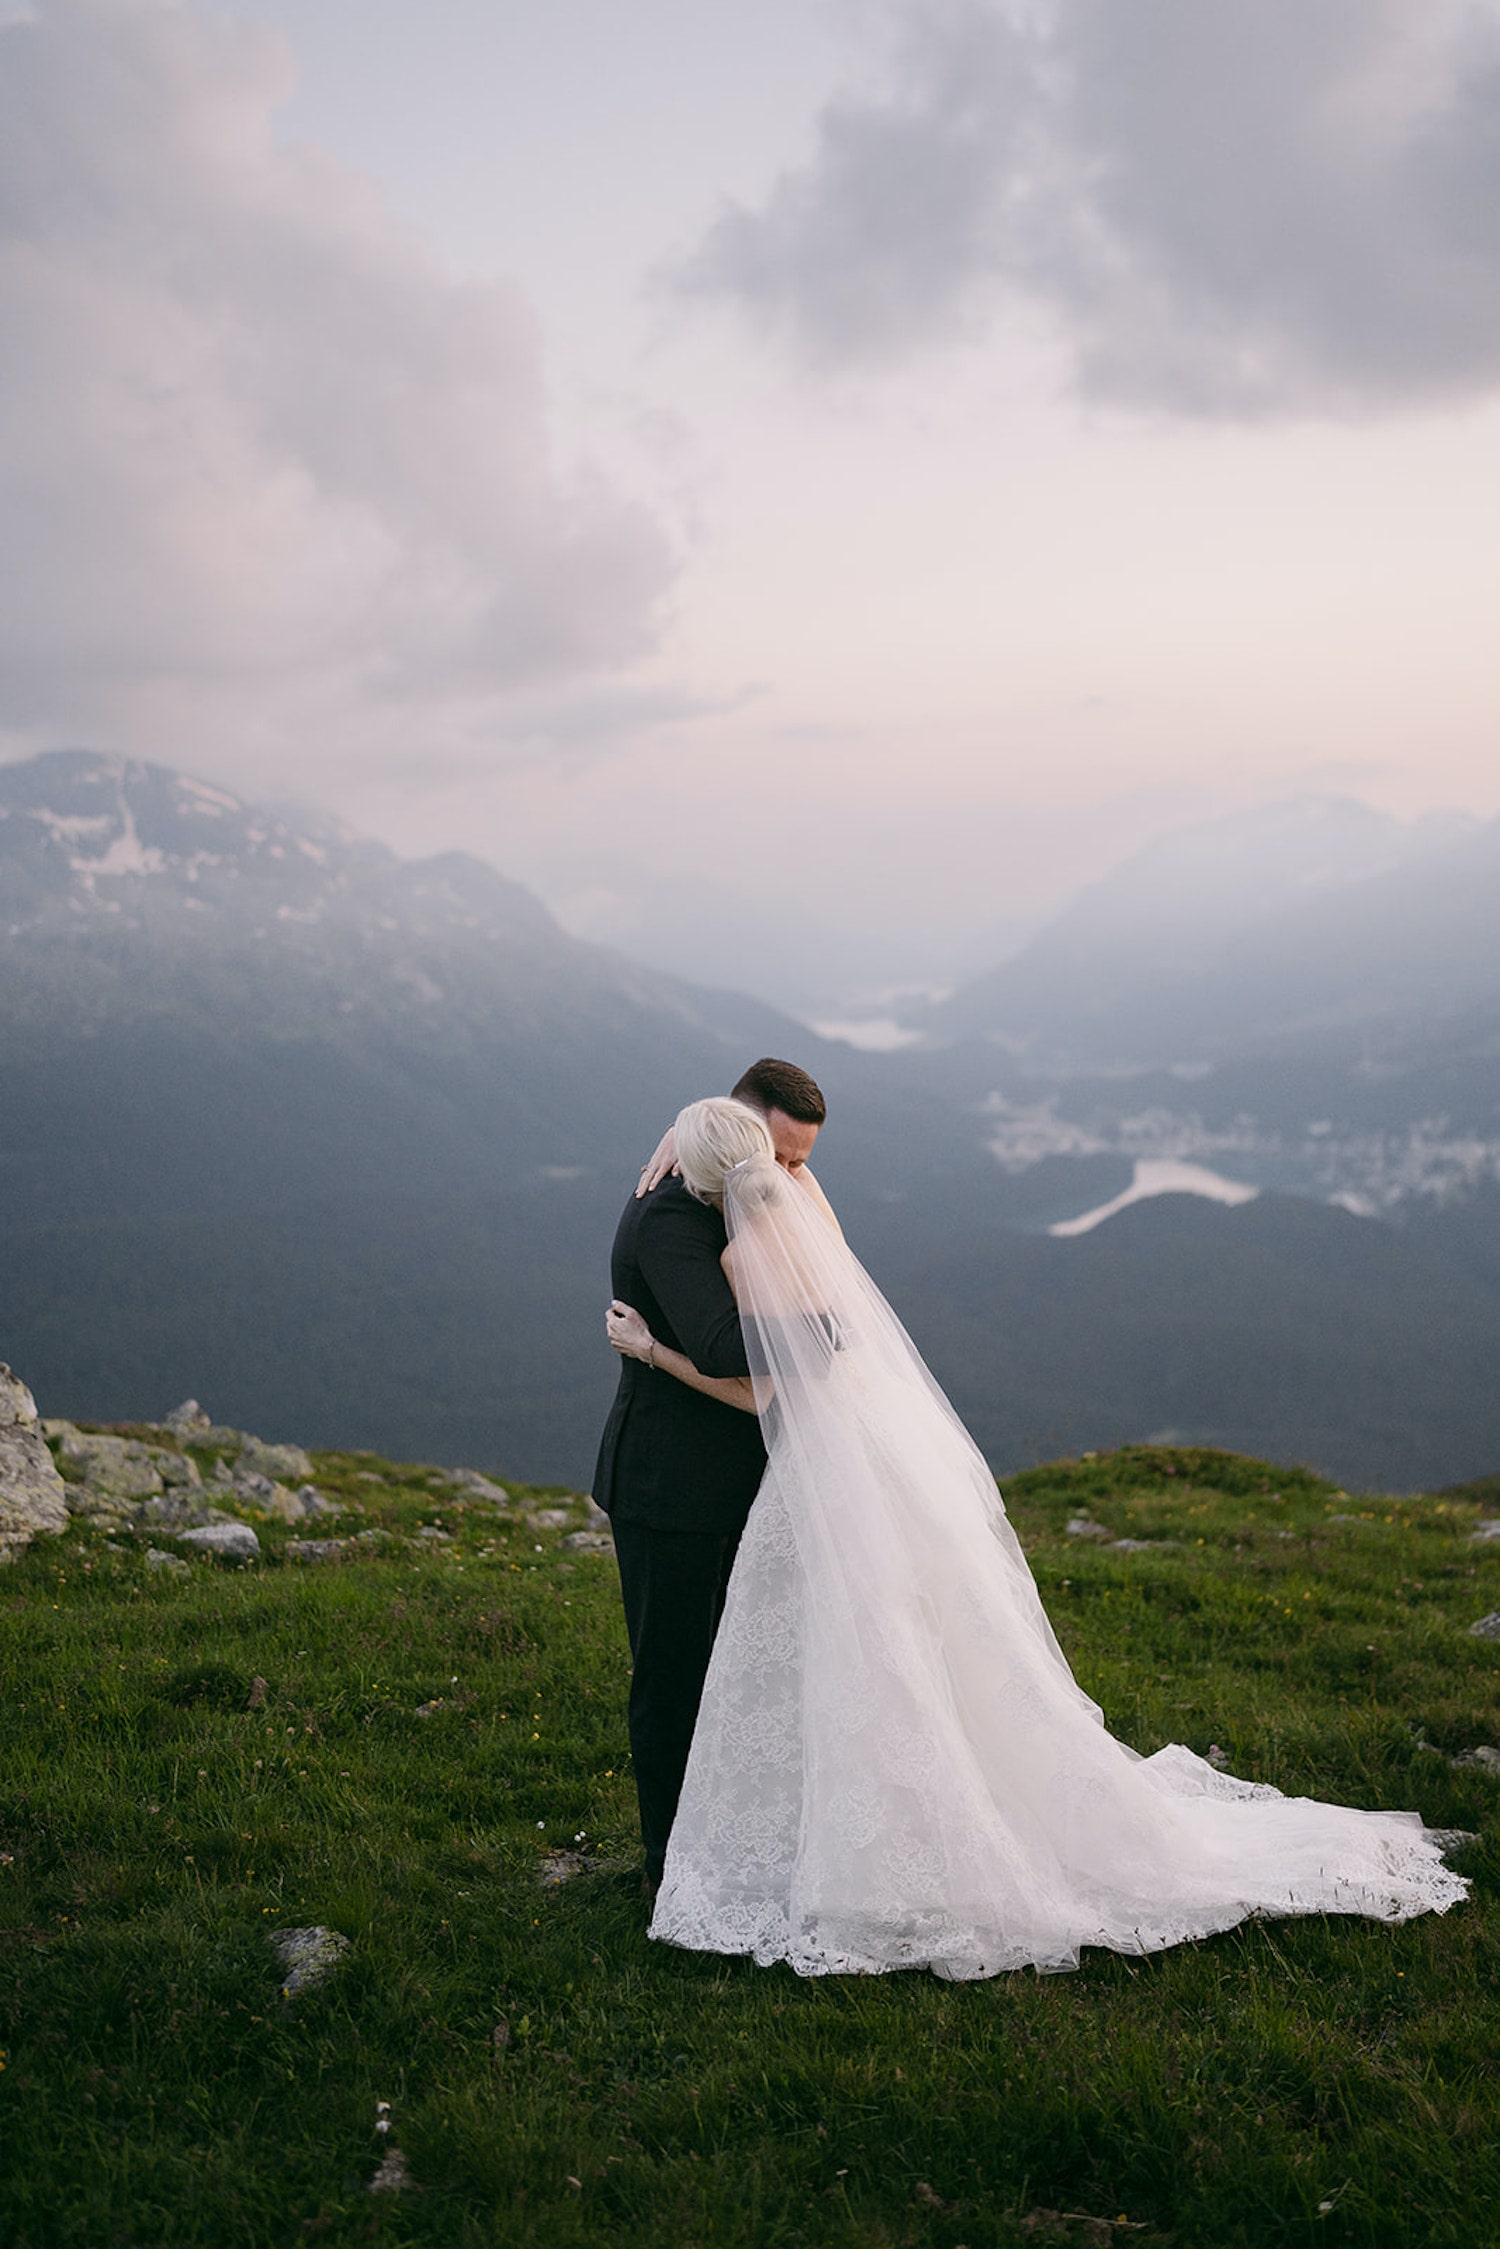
<point>893,1766</point>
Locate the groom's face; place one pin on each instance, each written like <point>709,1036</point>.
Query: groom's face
<point>793,1141</point>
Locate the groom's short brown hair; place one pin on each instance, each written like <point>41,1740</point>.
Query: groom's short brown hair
<point>769,1084</point>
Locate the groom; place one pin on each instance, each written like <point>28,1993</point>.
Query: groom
<point>677,1470</point>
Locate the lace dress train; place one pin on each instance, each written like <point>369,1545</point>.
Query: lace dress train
<point>893,1766</point>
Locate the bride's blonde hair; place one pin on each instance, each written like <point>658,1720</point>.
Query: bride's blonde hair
<point>712,1137</point>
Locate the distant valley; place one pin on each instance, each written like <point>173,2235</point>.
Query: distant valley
<point>337,1141</point>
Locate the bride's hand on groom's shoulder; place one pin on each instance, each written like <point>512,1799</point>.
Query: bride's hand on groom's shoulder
<point>660,1164</point>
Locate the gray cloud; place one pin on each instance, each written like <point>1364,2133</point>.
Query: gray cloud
<point>263,465</point>
<point>1236,208</point>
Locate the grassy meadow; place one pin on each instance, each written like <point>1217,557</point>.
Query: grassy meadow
<point>392,1746</point>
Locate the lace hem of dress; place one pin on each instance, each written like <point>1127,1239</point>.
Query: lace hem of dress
<point>698,1917</point>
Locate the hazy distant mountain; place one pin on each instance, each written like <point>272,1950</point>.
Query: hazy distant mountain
<point>335,1139</point>
<point>337,1143</point>
<point>1249,933</point>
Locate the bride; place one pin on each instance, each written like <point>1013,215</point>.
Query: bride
<point>893,1766</point>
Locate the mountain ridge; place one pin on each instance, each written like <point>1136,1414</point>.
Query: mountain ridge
<point>1168,960</point>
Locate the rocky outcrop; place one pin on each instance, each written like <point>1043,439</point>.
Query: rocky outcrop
<point>33,1499</point>
<point>121,1467</point>
<point>117,1481</point>
<point>157,1490</point>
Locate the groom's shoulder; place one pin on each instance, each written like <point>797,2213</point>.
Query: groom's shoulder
<point>640,1210</point>
<point>670,1211</point>
<point>670,1204</point>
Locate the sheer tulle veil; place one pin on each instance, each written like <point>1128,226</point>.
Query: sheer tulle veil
<point>893,1765</point>
<point>881,1462</point>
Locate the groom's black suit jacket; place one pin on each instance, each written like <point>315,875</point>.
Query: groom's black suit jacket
<point>671,1459</point>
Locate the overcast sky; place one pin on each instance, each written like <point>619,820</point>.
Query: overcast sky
<point>802,485</point>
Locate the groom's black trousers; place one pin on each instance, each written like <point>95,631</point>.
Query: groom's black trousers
<point>673,1585</point>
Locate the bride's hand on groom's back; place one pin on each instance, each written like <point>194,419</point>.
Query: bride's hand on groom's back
<point>627,1331</point>
<point>660,1164</point>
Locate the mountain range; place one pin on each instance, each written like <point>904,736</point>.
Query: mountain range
<point>336,1141</point>
<point>1311,920</point>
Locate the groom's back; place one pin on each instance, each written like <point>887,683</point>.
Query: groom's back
<point>670,1458</point>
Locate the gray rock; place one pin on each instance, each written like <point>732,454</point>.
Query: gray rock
<point>316,1549</point>
<point>558,1867</point>
<point>218,1437</point>
<point>179,1471</point>
<point>301,1506</point>
<point>171,1511</point>
<point>16,1401</point>
<point>1080,1526</point>
<point>98,1507</point>
<point>549,1518</point>
<point>188,1419</point>
<point>258,1490</point>
<point>1141,1545</point>
<point>1481,1760</point>
<point>116,1467</point>
<point>274,1499</point>
<point>594,1515</point>
<point>33,1497</point>
<point>123,1467</point>
<point>476,1486</point>
<point>1488,1627</point>
<point>157,1560</point>
<point>433,1530</point>
<point>306,1956</point>
<point>232,1542</point>
<point>588,1542</point>
<point>1483,1532</point>
<point>282,1463</point>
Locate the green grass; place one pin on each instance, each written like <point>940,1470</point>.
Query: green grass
<point>554,2077</point>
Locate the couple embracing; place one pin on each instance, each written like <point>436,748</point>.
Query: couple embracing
<point>858,1746</point>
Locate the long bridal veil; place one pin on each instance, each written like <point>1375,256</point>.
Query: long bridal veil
<point>893,1765</point>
